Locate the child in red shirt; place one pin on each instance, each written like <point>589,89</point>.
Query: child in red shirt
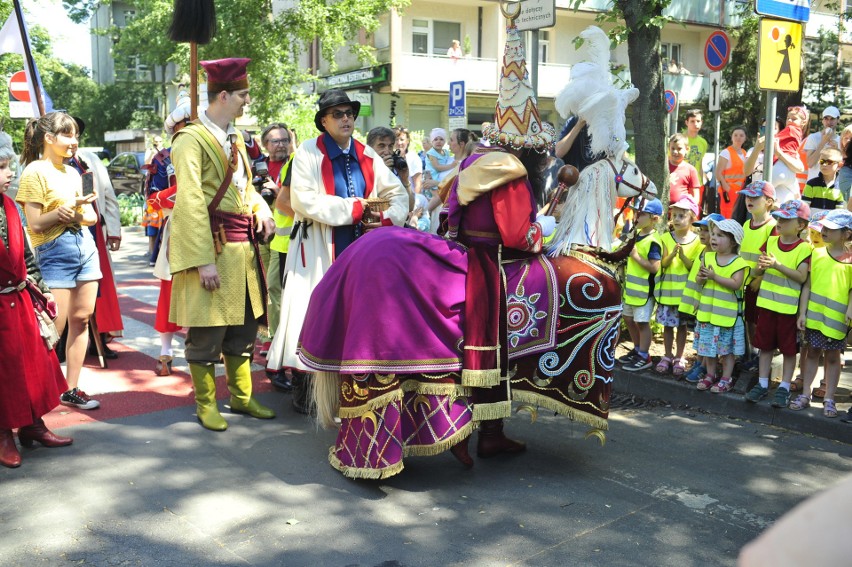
<point>683,177</point>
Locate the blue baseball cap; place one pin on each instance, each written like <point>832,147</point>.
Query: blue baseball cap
<point>758,188</point>
<point>793,209</point>
<point>837,218</point>
<point>650,206</point>
<point>713,217</point>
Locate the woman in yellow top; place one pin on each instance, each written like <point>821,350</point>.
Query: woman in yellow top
<point>51,194</point>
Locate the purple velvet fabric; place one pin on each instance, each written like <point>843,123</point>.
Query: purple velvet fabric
<point>394,295</point>
<point>393,303</point>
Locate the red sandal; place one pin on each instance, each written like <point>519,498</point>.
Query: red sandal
<point>706,383</point>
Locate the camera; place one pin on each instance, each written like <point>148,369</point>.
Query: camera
<point>399,162</point>
<point>261,176</point>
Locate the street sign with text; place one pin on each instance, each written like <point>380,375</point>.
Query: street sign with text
<point>536,14</point>
<point>457,109</point>
<point>796,10</point>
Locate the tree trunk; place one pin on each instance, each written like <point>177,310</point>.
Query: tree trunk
<point>646,72</point>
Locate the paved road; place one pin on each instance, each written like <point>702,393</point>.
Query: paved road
<point>144,484</point>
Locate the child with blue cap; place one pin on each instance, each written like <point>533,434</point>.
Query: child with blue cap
<point>637,295</point>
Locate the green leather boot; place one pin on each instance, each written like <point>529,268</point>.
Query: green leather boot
<point>203,379</point>
<point>238,371</point>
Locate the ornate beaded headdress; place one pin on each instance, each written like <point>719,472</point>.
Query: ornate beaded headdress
<point>517,124</point>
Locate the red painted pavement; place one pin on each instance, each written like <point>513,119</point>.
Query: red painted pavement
<point>128,386</point>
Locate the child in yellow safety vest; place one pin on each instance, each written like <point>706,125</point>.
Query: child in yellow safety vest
<point>692,291</point>
<point>760,199</point>
<point>825,308</point>
<point>637,294</point>
<point>720,332</point>
<point>681,247</point>
<point>783,263</point>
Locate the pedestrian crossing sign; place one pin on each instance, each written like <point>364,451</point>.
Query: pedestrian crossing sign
<point>779,55</point>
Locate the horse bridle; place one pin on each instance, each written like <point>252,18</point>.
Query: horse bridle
<point>619,179</point>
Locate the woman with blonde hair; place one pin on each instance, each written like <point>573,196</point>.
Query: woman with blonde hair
<point>51,194</point>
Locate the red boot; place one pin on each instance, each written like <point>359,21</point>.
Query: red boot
<point>38,431</point>
<point>9,455</point>
<point>459,451</point>
<point>492,442</point>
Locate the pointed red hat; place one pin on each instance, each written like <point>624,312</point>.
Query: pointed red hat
<point>226,74</point>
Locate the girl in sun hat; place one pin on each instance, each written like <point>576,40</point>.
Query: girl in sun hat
<point>692,291</point>
<point>720,332</point>
<point>681,247</point>
<point>827,302</point>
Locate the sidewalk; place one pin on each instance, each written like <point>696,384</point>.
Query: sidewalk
<point>648,385</point>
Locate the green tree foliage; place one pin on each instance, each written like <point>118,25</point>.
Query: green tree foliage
<point>742,102</point>
<point>825,74</point>
<point>247,29</point>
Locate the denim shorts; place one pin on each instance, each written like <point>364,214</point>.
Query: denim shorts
<point>70,259</point>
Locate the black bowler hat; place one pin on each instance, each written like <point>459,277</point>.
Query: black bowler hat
<point>331,98</point>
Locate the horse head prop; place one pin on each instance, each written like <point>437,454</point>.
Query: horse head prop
<point>587,214</point>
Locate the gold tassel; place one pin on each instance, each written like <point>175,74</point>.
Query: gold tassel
<point>375,404</point>
<point>481,378</point>
<point>432,389</point>
<point>526,397</point>
<point>496,410</point>
<point>363,473</point>
<point>440,446</point>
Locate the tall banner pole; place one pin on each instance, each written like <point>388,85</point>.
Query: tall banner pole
<point>28,57</point>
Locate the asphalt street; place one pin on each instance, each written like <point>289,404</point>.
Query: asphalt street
<point>144,484</point>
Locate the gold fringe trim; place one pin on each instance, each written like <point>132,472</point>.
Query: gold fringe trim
<point>496,410</point>
<point>432,389</point>
<point>480,378</point>
<point>526,397</point>
<point>363,473</point>
<point>372,405</point>
<point>441,446</point>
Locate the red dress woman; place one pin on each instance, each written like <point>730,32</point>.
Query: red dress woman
<point>32,378</point>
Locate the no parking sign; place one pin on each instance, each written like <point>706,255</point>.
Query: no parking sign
<point>671,101</point>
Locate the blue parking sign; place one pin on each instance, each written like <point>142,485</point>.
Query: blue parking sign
<point>457,99</point>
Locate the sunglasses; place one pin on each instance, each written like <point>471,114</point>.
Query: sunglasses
<point>338,114</point>
<point>827,162</point>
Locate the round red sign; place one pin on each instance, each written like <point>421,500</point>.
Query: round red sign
<point>18,87</point>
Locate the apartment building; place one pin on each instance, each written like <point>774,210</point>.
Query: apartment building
<point>411,79</point>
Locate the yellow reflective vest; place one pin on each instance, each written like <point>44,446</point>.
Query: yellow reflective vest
<point>719,305</point>
<point>754,239</point>
<point>670,283</point>
<point>283,223</point>
<point>778,293</point>
<point>692,291</point>
<point>830,284</point>
<point>637,288</point>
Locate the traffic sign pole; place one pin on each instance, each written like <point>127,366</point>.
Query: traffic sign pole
<point>769,147</point>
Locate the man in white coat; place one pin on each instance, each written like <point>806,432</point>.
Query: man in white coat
<point>333,175</point>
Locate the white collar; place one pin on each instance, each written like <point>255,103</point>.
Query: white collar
<point>222,136</point>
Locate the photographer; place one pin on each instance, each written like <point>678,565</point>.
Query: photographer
<point>270,172</point>
<point>383,141</point>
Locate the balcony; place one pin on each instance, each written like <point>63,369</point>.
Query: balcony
<point>420,72</point>
<point>689,88</point>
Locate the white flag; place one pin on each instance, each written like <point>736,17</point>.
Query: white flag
<point>11,41</point>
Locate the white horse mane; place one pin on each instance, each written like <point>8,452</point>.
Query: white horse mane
<point>587,212</point>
